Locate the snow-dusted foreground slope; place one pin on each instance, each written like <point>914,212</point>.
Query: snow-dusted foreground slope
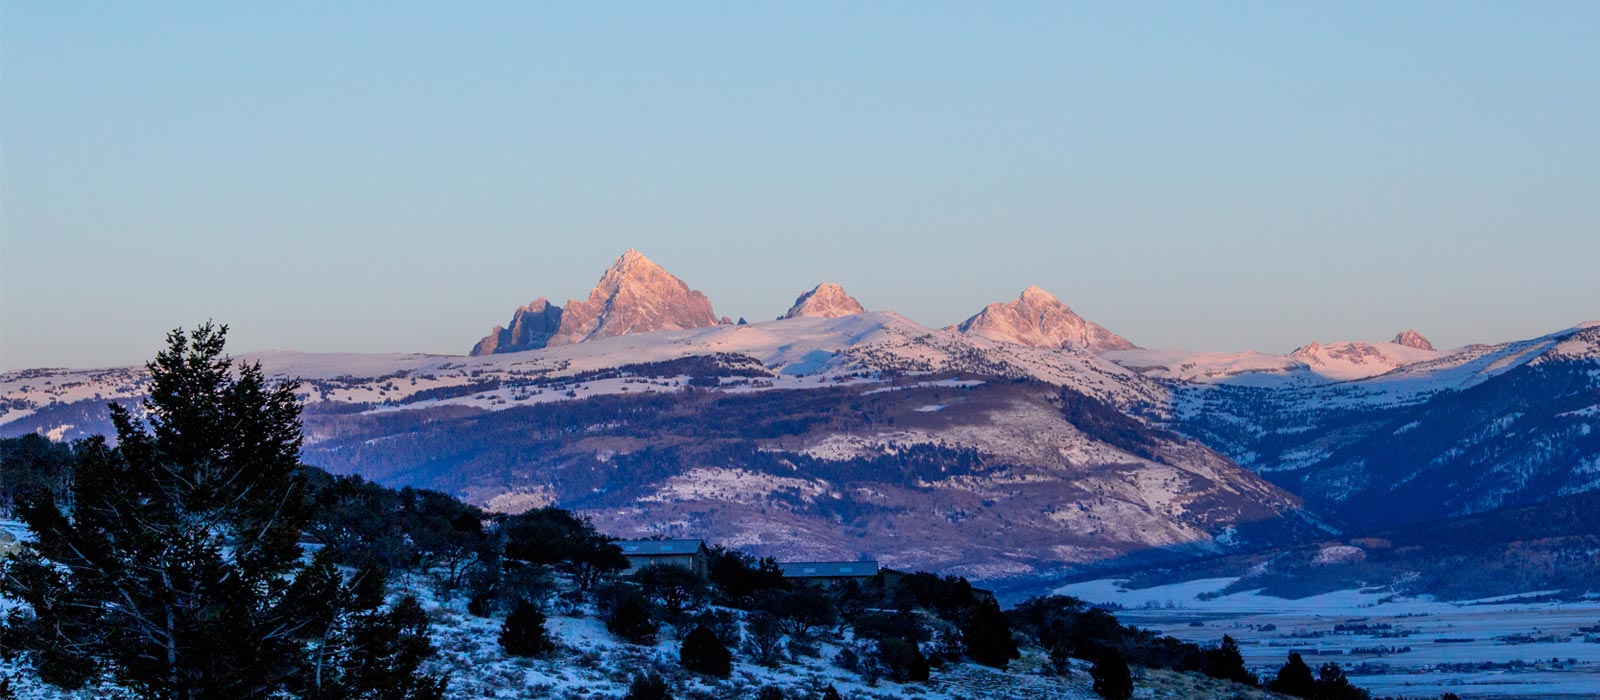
<point>592,664</point>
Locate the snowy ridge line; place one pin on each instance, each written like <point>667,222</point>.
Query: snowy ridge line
<point>798,352</point>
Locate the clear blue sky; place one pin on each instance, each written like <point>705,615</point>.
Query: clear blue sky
<point>398,177</point>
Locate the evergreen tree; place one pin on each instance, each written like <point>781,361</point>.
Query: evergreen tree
<point>987,635</point>
<point>387,650</point>
<point>1332,684</point>
<point>177,569</point>
<point>1225,662</point>
<point>171,564</point>
<point>831,693</point>
<point>1112,679</point>
<point>702,652</point>
<point>523,633</point>
<point>1294,678</point>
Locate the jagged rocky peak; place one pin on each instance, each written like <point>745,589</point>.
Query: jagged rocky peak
<point>1038,319</point>
<point>826,300</point>
<point>531,328</point>
<point>1412,339</point>
<point>635,295</point>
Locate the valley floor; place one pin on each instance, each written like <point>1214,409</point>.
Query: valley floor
<point>1504,648</point>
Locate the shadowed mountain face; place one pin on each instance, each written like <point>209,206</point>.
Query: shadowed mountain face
<point>1040,320</point>
<point>531,328</point>
<point>634,295</point>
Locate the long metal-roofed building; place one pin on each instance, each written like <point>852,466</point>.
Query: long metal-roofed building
<point>829,571</point>
<point>690,554</point>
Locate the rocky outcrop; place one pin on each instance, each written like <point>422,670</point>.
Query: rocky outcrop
<point>826,300</point>
<point>1412,339</point>
<point>531,328</point>
<point>1040,320</point>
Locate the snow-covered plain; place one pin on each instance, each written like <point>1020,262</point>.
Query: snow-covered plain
<point>1391,645</point>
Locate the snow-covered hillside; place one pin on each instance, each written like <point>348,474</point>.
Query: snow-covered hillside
<point>1465,431</point>
<point>824,435</point>
<point>863,432</point>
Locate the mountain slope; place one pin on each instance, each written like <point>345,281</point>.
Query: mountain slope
<point>986,478</point>
<point>808,437</point>
<point>819,436</point>
<point>1470,431</point>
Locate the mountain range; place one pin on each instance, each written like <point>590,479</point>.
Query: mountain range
<point>1023,443</point>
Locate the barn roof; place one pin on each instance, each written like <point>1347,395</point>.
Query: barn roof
<point>828,569</point>
<point>655,548</point>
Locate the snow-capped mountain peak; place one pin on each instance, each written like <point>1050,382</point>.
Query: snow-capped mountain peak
<point>1412,339</point>
<point>1036,318</point>
<point>635,295</point>
<point>826,300</point>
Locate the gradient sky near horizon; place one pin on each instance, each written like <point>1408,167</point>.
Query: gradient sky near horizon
<point>400,176</point>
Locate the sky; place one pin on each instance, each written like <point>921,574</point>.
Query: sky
<point>386,177</point>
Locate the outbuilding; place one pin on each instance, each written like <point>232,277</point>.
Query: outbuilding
<point>690,554</point>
